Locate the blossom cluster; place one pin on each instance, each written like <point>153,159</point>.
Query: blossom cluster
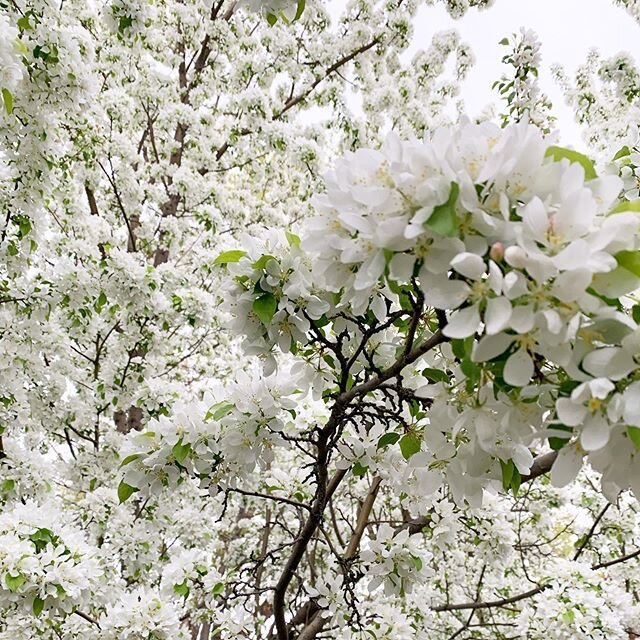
<point>218,441</point>
<point>517,241</point>
<point>45,565</point>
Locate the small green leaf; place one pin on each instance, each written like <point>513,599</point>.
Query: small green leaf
<point>14,582</point>
<point>261,262</point>
<point>7,485</point>
<point>409,445</point>
<point>182,589</point>
<point>387,439</point>
<point>292,239</point>
<point>515,482</point>
<point>435,375</point>
<point>100,302</point>
<point>124,23</point>
<point>630,260</point>
<point>23,22</point>
<point>634,435</point>
<point>235,255</point>
<point>265,307</point>
<point>131,458</point>
<point>272,19</point>
<point>632,206</point>
<point>504,41</point>
<point>507,473</point>
<point>299,9</point>
<point>38,606</point>
<point>444,220</point>
<point>181,451</point>
<point>358,470</point>
<point>417,562</point>
<point>625,151</point>
<point>125,491</point>
<point>7,98</point>
<point>635,313</point>
<point>219,410</point>
<point>560,153</point>
<point>218,588</point>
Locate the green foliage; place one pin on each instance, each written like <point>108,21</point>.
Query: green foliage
<point>634,436</point>
<point>235,255</point>
<point>358,470</point>
<point>7,99</point>
<point>444,219</point>
<point>13,583</point>
<point>38,606</point>
<point>511,478</point>
<point>265,307</point>
<point>387,439</point>
<point>125,491</point>
<point>409,445</point>
<point>560,153</point>
<point>181,451</point>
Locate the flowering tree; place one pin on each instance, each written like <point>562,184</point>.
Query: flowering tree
<point>289,353</point>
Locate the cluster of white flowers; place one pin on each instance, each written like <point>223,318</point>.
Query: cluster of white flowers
<point>10,66</point>
<point>44,563</point>
<point>143,613</point>
<point>577,604</point>
<point>396,561</point>
<point>517,240</point>
<point>218,441</point>
<point>271,296</point>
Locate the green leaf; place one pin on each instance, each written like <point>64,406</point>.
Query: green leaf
<point>14,582</point>
<point>358,470</point>
<point>272,19</point>
<point>181,451</point>
<point>7,485</point>
<point>125,491</point>
<point>634,435</point>
<point>265,307</point>
<point>515,482</point>
<point>38,606</point>
<point>560,153</point>
<point>299,9</point>
<point>261,262</point>
<point>630,260</point>
<point>219,410</point>
<point>23,22</point>
<point>435,375</point>
<point>124,23</point>
<point>632,206</point>
<point>7,98</point>
<point>557,442</point>
<point>507,473</point>
<point>504,41</point>
<point>218,588</point>
<point>635,313</point>
<point>131,458</point>
<point>181,589</point>
<point>292,239</point>
<point>409,445</point>
<point>387,439</point>
<point>417,562</point>
<point>235,255</point>
<point>444,220</point>
<point>625,151</point>
<point>100,302</point>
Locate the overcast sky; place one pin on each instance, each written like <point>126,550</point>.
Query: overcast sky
<point>567,30</point>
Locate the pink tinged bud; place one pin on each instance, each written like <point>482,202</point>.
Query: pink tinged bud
<point>497,251</point>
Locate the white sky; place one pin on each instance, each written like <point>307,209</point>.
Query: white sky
<point>566,28</point>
